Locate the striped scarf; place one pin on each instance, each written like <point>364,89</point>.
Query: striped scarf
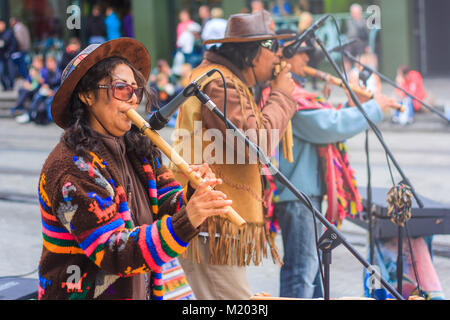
<point>176,246</point>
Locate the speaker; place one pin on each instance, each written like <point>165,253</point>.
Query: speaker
<point>434,218</point>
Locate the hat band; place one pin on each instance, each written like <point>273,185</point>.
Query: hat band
<point>74,65</point>
<point>253,35</point>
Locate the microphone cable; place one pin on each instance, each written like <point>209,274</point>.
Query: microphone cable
<point>225,98</point>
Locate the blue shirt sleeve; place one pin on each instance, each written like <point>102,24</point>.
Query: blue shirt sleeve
<point>323,126</point>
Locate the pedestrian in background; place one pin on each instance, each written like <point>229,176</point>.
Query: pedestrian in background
<point>412,82</point>
<point>20,56</point>
<point>8,46</point>
<point>204,14</point>
<point>281,8</point>
<point>357,29</point>
<point>215,27</point>
<point>31,85</point>
<point>162,66</point>
<point>189,44</point>
<point>95,26</point>
<point>256,6</point>
<point>128,24</point>
<point>71,51</point>
<point>38,111</point>
<point>113,24</point>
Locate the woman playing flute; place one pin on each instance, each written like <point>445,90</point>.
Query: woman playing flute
<point>112,214</point>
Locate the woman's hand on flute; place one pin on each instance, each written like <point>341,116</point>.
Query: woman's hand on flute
<point>206,202</point>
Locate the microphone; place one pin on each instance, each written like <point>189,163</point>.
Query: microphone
<point>161,117</point>
<point>291,50</point>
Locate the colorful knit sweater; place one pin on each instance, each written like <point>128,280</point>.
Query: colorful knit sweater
<point>91,247</point>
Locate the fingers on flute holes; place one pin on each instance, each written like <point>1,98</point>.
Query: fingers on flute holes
<point>202,188</point>
<point>201,170</point>
<point>215,194</point>
<point>216,212</point>
<point>212,183</point>
<point>211,195</point>
<point>193,167</point>
<point>222,203</point>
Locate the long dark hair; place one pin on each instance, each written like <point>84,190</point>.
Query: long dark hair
<point>239,54</point>
<point>79,136</point>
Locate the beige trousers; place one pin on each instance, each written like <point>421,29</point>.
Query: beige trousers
<point>215,282</point>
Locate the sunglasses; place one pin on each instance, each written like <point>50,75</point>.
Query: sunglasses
<point>124,91</point>
<point>271,44</point>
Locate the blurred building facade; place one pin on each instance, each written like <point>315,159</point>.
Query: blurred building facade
<point>412,32</point>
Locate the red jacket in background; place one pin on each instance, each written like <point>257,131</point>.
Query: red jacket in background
<point>414,85</point>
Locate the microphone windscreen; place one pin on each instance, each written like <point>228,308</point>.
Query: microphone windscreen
<point>157,122</point>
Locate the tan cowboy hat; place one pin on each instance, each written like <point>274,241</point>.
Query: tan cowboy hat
<point>130,49</point>
<point>245,27</point>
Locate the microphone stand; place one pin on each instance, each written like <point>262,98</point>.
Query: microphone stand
<point>369,195</point>
<point>392,83</point>
<point>332,236</point>
<point>369,204</point>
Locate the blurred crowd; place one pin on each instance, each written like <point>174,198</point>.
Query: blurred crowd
<point>40,71</point>
<point>34,69</point>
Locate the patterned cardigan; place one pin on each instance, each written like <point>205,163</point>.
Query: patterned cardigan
<point>91,247</point>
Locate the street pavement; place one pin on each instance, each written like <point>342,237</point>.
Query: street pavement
<point>421,149</point>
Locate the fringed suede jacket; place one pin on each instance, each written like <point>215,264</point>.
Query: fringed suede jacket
<point>242,181</point>
<point>93,248</point>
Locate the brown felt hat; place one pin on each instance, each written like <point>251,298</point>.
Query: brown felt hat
<point>249,27</point>
<point>130,49</point>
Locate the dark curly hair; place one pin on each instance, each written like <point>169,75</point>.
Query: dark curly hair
<point>239,54</point>
<point>79,135</point>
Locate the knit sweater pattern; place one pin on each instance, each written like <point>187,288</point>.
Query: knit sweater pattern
<point>91,246</point>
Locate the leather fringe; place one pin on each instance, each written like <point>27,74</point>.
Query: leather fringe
<point>235,246</point>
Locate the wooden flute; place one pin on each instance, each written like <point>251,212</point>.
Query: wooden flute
<point>287,140</point>
<point>145,128</point>
<point>338,82</point>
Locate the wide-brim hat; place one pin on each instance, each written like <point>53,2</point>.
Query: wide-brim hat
<point>249,27</point>
<point>127,48</point>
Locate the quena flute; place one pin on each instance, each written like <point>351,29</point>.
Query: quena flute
<point>287,140</point>
<point>143,125</point>
<point>338,82</point>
